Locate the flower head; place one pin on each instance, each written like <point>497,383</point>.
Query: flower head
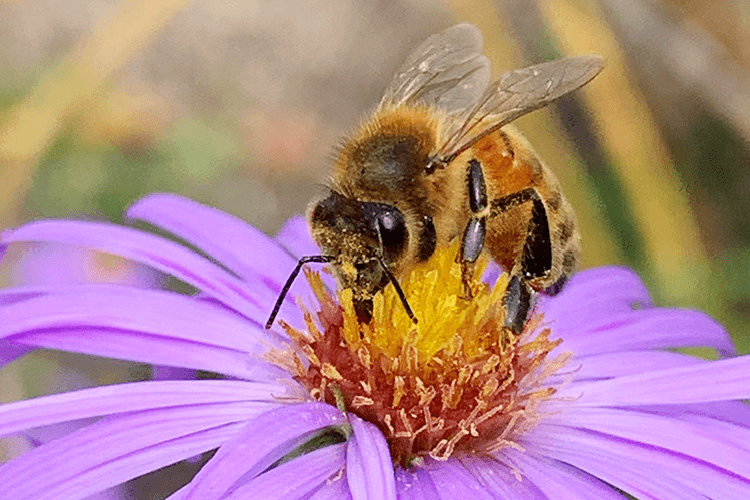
<point>456,382</point>
<point>586,403</point>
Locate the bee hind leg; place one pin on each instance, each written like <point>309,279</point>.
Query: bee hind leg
<point>536,259</point>
<point>363,308</point>
<point>519,301</point>
<point>557,286</point>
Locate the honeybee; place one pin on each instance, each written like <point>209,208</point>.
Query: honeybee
<point>437,161</point>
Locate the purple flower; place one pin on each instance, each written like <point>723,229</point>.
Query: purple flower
<point>34,263</point>
<point>588,402</point>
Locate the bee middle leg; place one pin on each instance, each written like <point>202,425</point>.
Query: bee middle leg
<point>536,258</point>
<point>471,246</point>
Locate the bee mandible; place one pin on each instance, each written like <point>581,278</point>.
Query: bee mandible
<point>436,161</point>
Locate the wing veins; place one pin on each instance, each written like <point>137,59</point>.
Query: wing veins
<point>519,92</point>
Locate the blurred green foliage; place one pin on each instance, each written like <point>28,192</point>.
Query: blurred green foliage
<point>80,178</point>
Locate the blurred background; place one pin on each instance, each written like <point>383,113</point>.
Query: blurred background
<point>240,104</point>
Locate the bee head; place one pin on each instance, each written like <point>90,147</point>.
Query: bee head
<point>365,240</point>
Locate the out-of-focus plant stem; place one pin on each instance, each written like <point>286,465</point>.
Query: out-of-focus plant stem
<point>676,254</point>
<point>545,134</point>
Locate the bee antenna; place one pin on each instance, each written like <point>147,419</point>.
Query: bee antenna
<point>323,259</point>
<point>398,288</point>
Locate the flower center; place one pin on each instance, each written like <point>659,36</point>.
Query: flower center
<point>456,382</point>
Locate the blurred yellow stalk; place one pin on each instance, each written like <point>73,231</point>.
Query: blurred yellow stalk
<point>670,233</point>
<point>31,125</point>
<point>544,133</point>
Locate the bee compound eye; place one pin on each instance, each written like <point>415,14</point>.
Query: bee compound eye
<point>393,233</point>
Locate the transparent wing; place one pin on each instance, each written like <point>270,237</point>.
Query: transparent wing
<point>447,71</point>
<point>516,93</point>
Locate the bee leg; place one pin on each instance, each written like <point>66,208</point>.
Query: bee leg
<point>557,286</point>
<point>536,259</point>
<point>363,308</point>
<point>471,246</point>
<point>472,242</point>
<point>519,301</point>
<point>537,251</point>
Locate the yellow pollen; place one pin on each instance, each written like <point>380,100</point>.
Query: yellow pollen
<point>348,268</point>
<point>456,382</point>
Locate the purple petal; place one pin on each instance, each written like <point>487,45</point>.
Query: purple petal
<point>415,484</point>
<point>500,481</point>
<point>492,272</point>
<point>618,364</point>
<point>640,481</point>
<point>638,469</point>
<point>63,264</point>
<point>558,480</point>
<point>16,294</point>
<point>178,495</point>
<point>10,351</point>
<point>609,309</point>
<point>236,244</point>
<point>264,440</point>
<point>714,442</point>
<point>140,325</point>
<point>229,240</point>
<point>369,469</point>
<point>134,346</point>
<point>172,373</point>
<point>452,480</point>
<point>126,398</point>
<point>733,412</point>
<point>117,449</point>
<point>153,251</point>
<point>130,308</point>
<point>295,237</point>
<point>645,329</point>
<point>295,479</point>
<point>722,380</point>
<point>592,296</point>
<point>334,488</point>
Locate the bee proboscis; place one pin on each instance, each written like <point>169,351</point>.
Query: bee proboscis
<point>437,161</point>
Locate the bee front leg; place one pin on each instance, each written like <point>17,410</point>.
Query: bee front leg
<point>472,242</point>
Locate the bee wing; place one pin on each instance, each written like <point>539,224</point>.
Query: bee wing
<point>516,93</point>
<point>448,71</point>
